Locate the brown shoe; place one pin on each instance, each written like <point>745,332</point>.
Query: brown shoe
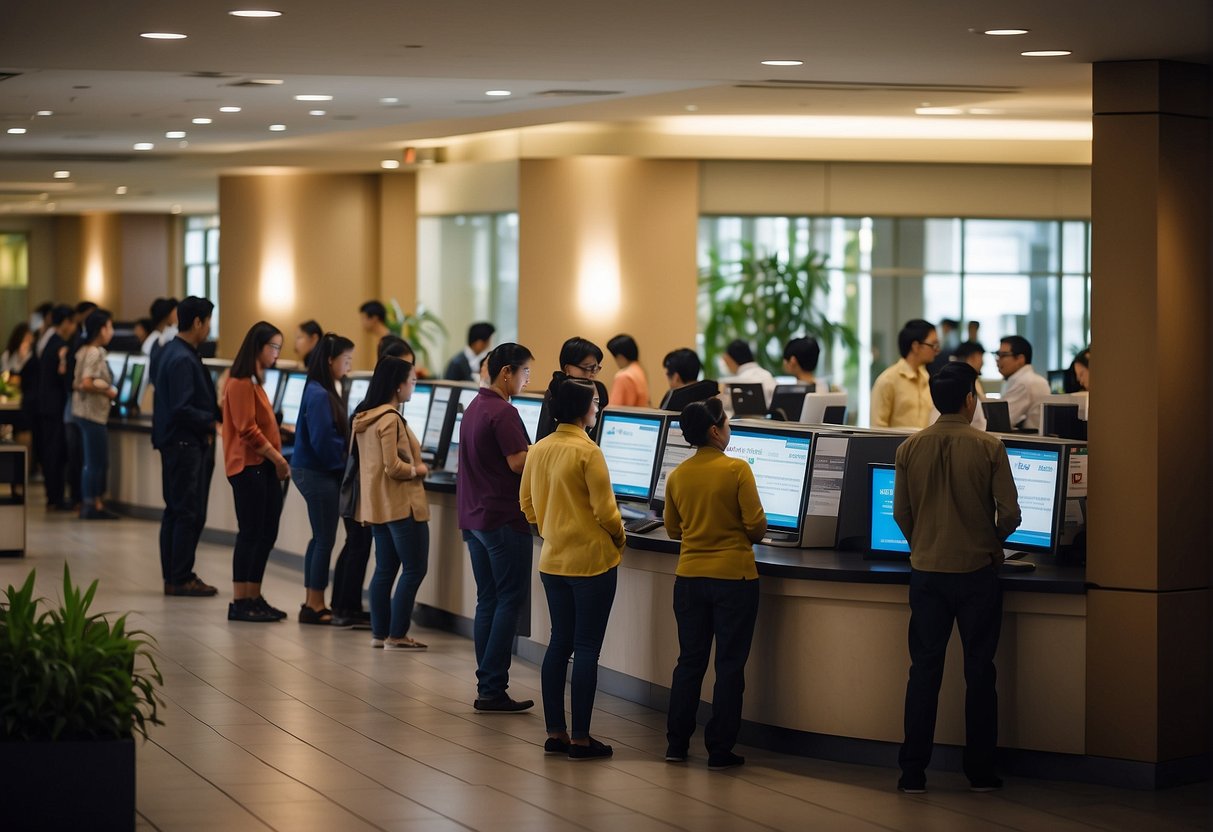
<point>193,588</point>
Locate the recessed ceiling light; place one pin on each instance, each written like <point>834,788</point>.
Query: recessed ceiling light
<point>176,209</point>
<point>783,63</point>
<point>389,164</point>
<point>313,98</point>
<point>175,134</point>
<point>269,81</point>
<point>317,112</point>
<point>938,111</point>
<point>50,206</point>
<point>1047,53</point>
<point>229,109</point>
<point>255,13</point>
<point>16,131</point>
<point>497,92</point>
<point>1005,32</point>
<point>144,146</point>
<point>985,111</point>
<point>389,100</point>
<point>62,174</point>
<point>201,121</point>
<point>277,128</point>
<point>120,190</point>
<point>163,36</point>
<point>45,113</point>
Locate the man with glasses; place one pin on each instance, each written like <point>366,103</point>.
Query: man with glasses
<point>1024,389</point>
<point>901,396</point>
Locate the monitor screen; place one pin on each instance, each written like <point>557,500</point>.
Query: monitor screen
<point>673,452</point>
<point>466,397</point>
<point>358,388</point>
<point>434,422</point>
<point>780,459</point>
<point>117,363</point>
<point>629,443</point>
<point>885,534</point>
<point>529,410</point>
<point>292,398</point>
<point>273,377</point>
<point>415,409</point>
<point>132,380</point>
<point>1036,471</point>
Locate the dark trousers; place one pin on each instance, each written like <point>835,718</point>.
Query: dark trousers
<point>258,494</point>
<point>321,491</point>
<point>401,546</point>
<point>75,460</point>
<point>501,564</point>
<point>186,469</point>
<point>54,458</point>
<point>974,601</point>
<point>350,571</point>
<point>580,609</point>
<point>95,437</point>
<point>708,608</point>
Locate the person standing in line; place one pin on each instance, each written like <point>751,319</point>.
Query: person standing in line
<point>256,469</point>
<point>901,396</point>
<point>465,365</point>
<point>631,385</point>
<point>1024,389</point>
<point>566,492</point>
<point>492,452</point>
<point>184,413</point>
<point>956,502</point>
<point>53,384</point>
<point>392,500</point>
<point>321,439</point>
<point>92,391</point>
<point>75,443</point>
<point>712,506</point>
<point>306,339</point>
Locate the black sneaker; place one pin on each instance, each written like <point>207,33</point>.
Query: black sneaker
<point>342,621</point>
<point>675,755</point>
<point>909,784</point>
<point>594,751</point>
<point>719,762</point>
<point>503,705</point>
<point>264,605</point>
<point>986,784</point>
<point>555,745</point>
<point>192,588</point>
<point>246,609</point>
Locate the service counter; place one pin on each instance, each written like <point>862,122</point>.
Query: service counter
<point>829,664</point>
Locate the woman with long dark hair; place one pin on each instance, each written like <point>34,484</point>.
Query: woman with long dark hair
<point>18,350</point>
<point>306,339</point>
<point>256,469</point>
<point>321,438</point>
<point>566,492</point>
<point>579,359</point>
<point>392,500</point>
<point>92,391</point>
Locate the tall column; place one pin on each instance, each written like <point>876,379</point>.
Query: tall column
<point>1149,543</point>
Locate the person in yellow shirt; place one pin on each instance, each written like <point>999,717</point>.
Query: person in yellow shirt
<point>901,396</point>
<point>566,492</point>
<point>712,506</point>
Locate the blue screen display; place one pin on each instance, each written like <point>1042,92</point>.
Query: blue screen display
<point>886,534</point>
<point>1035,472</point>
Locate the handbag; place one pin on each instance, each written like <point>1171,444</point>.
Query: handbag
<point>351,488</point>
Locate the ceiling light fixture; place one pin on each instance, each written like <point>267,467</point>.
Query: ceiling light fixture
<point>783,63</point>
<point>389,164</point>
<point>938,111</point>
<point>144,146</point>
<point>201,120</point>
<point>277,128</point>
<point>176,209</point>
<point>120,190</point>
<point>175,134</point>
<point>163,36</point>
<point>16,131</point>
<point>1005,32</point>
<point>317,112</point>
<point>255,13</point>
<point>45,113</point>
<point>498,93</point>
<point>229,109</point>
<point>389,100</point>
<point>62,174</point>
<point>273,82</point>
<point>1047,53</point>
<point>313,98</point>
<point>985,111</point>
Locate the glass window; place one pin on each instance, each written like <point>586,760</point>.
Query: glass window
<point>201,253</point>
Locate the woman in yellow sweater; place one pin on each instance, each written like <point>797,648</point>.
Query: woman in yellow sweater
<point>712,506</point>
<point>566,492</point>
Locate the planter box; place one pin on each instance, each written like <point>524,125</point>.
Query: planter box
<point>68,785</point>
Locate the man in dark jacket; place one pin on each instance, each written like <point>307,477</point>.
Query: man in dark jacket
<point>53,387</point>
<point>184,414</point>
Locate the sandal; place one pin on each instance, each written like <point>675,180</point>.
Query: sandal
<point>405,643</point>
<point>307,615</point>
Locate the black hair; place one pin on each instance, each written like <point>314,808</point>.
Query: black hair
<point>396,347</point>
<point>684,362</point>
<point>739,351</point>
<point>146,323</point>
<point>1083,358</point>
<point>481,331</point>
<point>374,309</point>
<point>698,418</point>
<point>951,385</point>
<point>806,351</point>
<point>624,345</point>
<point>505,355</point>
<point>94,323</point>
<point>60,314</point>
<point>193,309</point>
<point>310,327</point>
<point>84,307</point>
<point>570,397</point>
<point>327,348</point>
<point>390,373</point>
<point>577,349</point>
<point>967,348</point>
<point>1018,345</point>
<point>244,365</point>
<point>915,330</point>
<point>160,309</point>
<point>15,338</point>
<point>949,323</point>
<point>44,308</point>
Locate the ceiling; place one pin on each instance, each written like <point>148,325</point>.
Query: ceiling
<point>399,73</point>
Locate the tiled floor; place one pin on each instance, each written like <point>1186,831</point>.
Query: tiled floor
<point>299,728</point>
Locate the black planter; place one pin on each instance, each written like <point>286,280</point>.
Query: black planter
<point>68,785</point>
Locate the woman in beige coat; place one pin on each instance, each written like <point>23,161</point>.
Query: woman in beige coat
<point>392,501</point>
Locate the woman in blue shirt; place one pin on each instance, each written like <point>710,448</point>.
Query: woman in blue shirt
<point>321,443</point>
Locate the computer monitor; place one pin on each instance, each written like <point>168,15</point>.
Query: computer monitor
<point>886,540</point>
<point>1037,468</point>
<point>467,395</point>
<point>824,409</point>
<point>1057,381</point>
<point>134,382</point>
<point>629,440</point>
<point>117,364</point>
<point>674,449</point>
<point>355,392</point>
<point>417,408</point>
<point>272,384</point>
<point>747,399</point>
<point>998,415</point>
<point>1062,419</point>
<point>780,459</point>
<point>435,422</point>
<point>787,402</point>
<point>529,408</point>
<point>292,398</point>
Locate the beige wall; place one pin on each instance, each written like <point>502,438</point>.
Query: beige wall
<point>147,264</point>
<point>469,188</point>
<point>607,244</point>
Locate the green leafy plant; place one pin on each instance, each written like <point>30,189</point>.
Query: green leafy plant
<point>767,301</point>
<point>421,329</point>
<point>7,388</point>
<point>68,674</point>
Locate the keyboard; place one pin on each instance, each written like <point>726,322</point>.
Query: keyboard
<point>641,526</point>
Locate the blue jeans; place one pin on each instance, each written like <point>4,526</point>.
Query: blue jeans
<point>580,609</point>
<point>320,490</point>
<point>400,546</point>
<point>501,564</point>
<point>95,438</point>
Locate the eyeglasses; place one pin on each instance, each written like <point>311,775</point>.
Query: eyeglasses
<point>275,347</point>
<point>931,345</point>
<point>597,404</point>
<point>592,369</point>
<point>1002,354</point>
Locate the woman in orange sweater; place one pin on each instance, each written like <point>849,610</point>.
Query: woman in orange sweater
<point>252,456</point>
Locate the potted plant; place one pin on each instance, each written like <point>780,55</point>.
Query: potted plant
<point>74,690</point>
<point>419,329</point>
